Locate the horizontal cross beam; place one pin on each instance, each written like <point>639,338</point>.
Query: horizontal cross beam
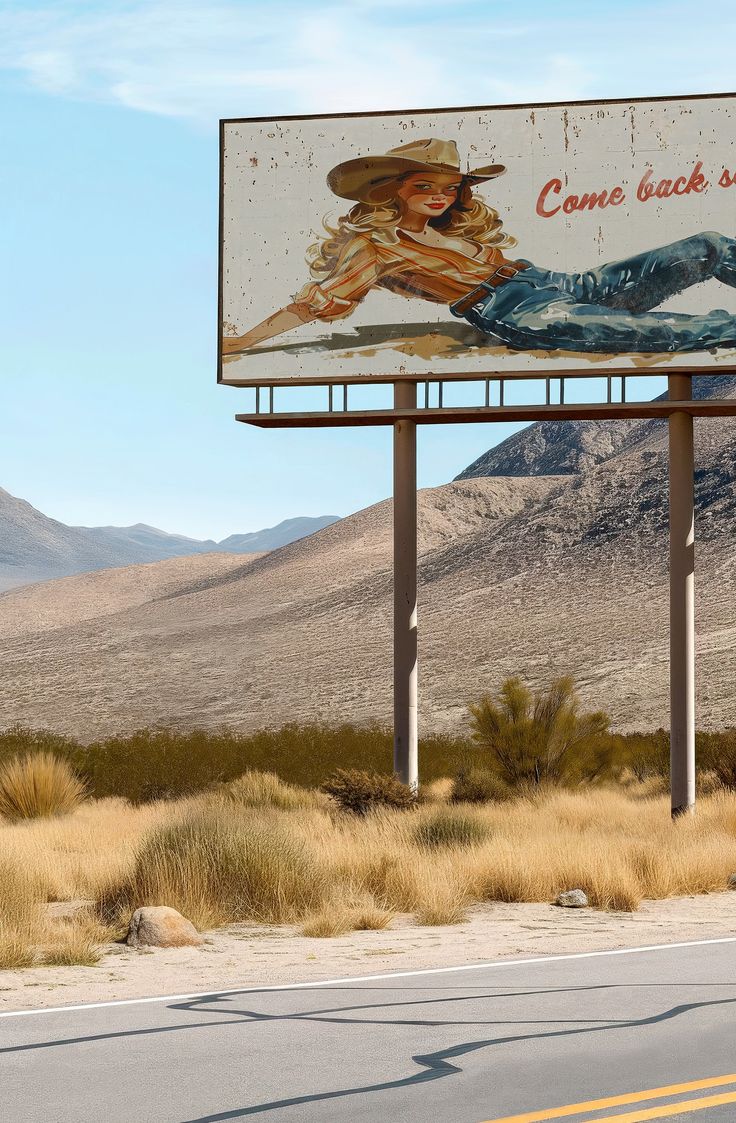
<point>454,415</point>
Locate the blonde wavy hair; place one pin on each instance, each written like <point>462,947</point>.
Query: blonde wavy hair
<point>468,217</point>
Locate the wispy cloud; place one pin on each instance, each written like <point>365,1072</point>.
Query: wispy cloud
<point>230,57</point>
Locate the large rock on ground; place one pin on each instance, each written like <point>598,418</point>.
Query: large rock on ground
<point>572,899</point>
<point>161,927</point>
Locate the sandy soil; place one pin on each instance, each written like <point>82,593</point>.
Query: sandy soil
<point>243,956</point>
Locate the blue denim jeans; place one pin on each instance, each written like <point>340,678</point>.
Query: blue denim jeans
<point>608,309</point>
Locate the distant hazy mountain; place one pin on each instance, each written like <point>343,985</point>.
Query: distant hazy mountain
<point>143,543</point>
<point>290,530</point>
<point>34,547</point>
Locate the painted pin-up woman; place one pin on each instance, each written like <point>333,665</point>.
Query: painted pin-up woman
<point>418,229</point>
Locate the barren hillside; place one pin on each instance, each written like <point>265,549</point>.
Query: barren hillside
<point>532,574</point>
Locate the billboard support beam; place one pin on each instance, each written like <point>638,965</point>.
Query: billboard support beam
<point>405,588</point>
<point>682,600</point>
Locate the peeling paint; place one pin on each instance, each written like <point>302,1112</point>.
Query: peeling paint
<point>584,185</point>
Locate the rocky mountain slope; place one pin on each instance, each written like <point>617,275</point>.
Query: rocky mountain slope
<point>535,574</point>
<point>36,548</point>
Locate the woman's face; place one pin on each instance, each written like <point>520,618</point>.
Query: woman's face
<point>428,193</point>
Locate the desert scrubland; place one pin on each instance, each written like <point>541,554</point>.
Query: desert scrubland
<point>259,851</point>
<point>546,557</point>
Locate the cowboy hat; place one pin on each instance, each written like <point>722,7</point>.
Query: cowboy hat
<point>354,179</point>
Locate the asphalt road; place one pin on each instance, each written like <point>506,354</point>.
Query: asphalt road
<point>465,1046</point>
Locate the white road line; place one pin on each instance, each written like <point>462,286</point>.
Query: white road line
<point>364,978</point>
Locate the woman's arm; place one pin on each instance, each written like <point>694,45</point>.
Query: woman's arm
<point>284,320</point>
<point>337,296</point>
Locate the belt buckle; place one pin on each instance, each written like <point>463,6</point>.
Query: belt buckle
<point>511,271</point>
<point>507,276</point>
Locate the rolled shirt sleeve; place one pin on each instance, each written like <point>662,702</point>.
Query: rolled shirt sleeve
<point>356,273</point>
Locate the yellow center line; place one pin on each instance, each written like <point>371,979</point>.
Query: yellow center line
<point>667,1110</point>
<point>632,1098</point>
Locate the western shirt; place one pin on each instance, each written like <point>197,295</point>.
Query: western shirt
<point>394,260</point>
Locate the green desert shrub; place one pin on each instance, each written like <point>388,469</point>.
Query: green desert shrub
<point>479,785</point>
<point>450,826</point>
<point>19,740</point>
<point>540,738</point>
<point>161,763</point>
<point>716,753</point>
<point>647,755</point>
<point>39,785</point>
<point>218,868</point>
<point>359,792</point>
<point>155,764</point>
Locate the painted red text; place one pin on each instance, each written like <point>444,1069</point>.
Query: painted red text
<point>665,188</point>
<point>571,203</point>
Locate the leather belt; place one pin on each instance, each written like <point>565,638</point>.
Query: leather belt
<point>505,272</point>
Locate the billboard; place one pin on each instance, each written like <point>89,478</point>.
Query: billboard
<point>463,242</point>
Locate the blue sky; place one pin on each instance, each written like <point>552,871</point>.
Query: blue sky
<point>109,412</point>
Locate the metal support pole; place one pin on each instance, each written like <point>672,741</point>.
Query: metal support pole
<point>405,588</point>
<point>682,600</point>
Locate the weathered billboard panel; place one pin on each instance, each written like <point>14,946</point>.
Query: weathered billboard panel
<point>462,242</point>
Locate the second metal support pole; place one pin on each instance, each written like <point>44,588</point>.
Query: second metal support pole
<point>405,588</point>
<point>682,600</point>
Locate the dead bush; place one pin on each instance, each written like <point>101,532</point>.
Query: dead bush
<point>360,792</point>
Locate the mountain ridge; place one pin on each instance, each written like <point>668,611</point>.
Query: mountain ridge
<point>35,547</point>
<point>533,575</point>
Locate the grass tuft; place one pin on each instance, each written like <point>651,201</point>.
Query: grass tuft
<point>371,918</point>
<point>38,785</point>
<point>443,902</point>
<point>327,923</point>
<point>450,826</point>
<point>265,789</point>
<point>76,941</point>
<point>220,865</point>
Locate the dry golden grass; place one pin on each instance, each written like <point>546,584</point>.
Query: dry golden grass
<point>335,918</point>
<point>370,918</point>
<point>29,936</point>
<point>265,789</point>
<point>21,916</point>
<point>443,903</point>
<point>225,858</point>
<point>219,863</point>
<point>439,791</point>
<point>38,785</point>
<point>74,940</point>
<point>79,855</point>
<point>328,922</point>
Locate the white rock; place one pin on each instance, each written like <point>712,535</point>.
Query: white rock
<point>161,927</point>
<point>572,899</point>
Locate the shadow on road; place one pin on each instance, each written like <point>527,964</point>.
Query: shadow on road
<point>432,1066</point>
